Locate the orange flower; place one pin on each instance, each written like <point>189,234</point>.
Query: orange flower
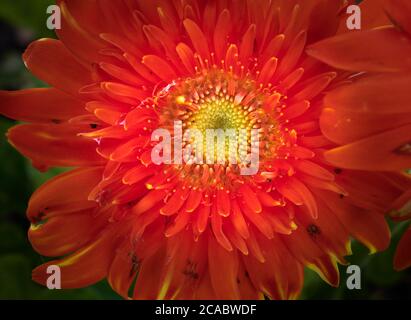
<point>386,52</point>
<point>121,69</point>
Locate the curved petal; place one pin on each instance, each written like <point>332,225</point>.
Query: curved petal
<point>45,105</point>
<point>344,126</point>
<point>85,267</point>
<point>56,145</point>
<point>124,268</point>
<point>383,152</point>
<point>49,60</point>
<point>67,192</point>
<point>327,268</point>
<point>377,50</point>
<point>63,234</point>
<point>373,14</point>
<point>402,259</point>
<point>360,96</point>
<point>275,277</point>
<point>223,275</point>
<point>399,11</point>
<point>368,227</point>
<point>77,39</point>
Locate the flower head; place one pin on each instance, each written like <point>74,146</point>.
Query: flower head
<point>119,71</point>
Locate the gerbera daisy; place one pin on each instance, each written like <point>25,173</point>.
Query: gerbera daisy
<point>122,69</point>
<point>385,51</point>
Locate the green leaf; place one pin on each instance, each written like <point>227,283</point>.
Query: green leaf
<point>15,273</point>
<point>12,238</point>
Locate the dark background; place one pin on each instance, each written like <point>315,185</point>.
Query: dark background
<point>22,21</point>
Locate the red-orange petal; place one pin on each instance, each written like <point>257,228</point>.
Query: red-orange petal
<point>63,234</point>
<point>402,259</point>
<point>45,105</point>
<point>379,152</point>
<point>368,227</point>
<point>66,192</point>
<point>360,96</point>
<point>343,127</point>
<point>54,145</point>
<point>85,267</point>
<point>223,268</point>
<point>49,60</point>
<point>377,50</point>
<point>250,198</point>
<point>399,12</point>
<point>76,38</point>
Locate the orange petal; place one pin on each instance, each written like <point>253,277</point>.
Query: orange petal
<point>46,105</point>
<point>360,96</point>
<point>186,278</point>
<point>85,267</point>
<point>399,12</point>
<point>260,222</point>
<point>344,127</point>
<point>293,55</point>
<point>148,282</point>
<point>194,200</point>
<point>288,192</point>
<point>267,200</point>
<point>154,33</point>
<point>269,277</point>
<point>160,67</point>
<point>302,246</point>
<point>238,221</point>
<point>68,191</point>
<point>63,234</point>
<point>223,203</point>
<point>221,32</point>
<point>297,109</point>
<point>383,152</point>
<point>124,268</point>
<point>205,290</point>
<point>175,202</point>
<point>76,38</point>
<point>186,56</point>
<point>402,259</point>
<point>250,198</point>
<point>54,145</point>
<point>327,269</point>
<point>326,231</point>
<point>267,72</point>
<point>246,287</point>
<point>235,238</point>
<point>119,91</point>
<point>378,50</point>
<point>247,44</point>
<point>368,227</point>
<point>253,245</point>
<point>49,60</point>
<point>313,169</point>
<point>185,265</point>
<point>179,223</point>
<point>137,174</point>
<point>197,38</point>
<point>223,268</point>
<point>152,198</point>
<point>217,227</point>
<point>203,216</point>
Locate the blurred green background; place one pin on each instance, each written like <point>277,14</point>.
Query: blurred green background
<point>22,21</point>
